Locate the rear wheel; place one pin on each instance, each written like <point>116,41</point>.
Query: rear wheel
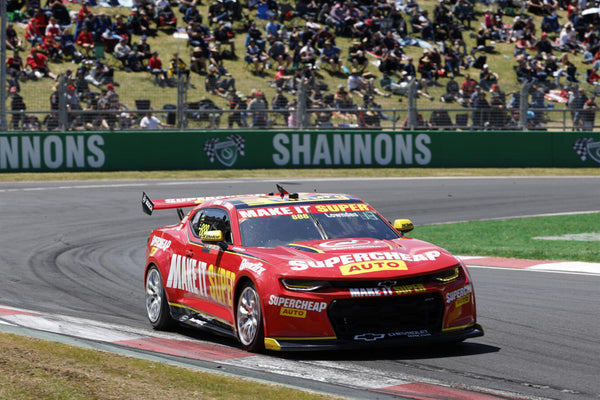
<point>157,305</point>
<point>249,319</point>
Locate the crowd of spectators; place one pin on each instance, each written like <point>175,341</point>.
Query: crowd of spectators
<point>299,41</point>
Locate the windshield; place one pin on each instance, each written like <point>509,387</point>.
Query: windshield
<point>280,230</point>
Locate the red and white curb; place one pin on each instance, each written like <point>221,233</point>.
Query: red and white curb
<point>570,267</point>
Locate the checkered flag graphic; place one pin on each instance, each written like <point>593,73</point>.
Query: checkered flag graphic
<point>581,147</point>
<point>239,143</point>
<point>209,148</point>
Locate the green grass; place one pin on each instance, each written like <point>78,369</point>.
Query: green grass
<point>514,237</point>
<point>35,369</point>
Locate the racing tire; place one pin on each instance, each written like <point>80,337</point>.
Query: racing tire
<point>249,319</point>
<point>157,304</point>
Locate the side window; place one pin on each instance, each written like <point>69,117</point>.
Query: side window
<point>212,219</point>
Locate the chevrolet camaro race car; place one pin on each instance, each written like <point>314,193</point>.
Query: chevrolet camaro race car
<point>303,271</point>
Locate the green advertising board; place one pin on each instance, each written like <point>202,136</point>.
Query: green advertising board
<point>200,150</point>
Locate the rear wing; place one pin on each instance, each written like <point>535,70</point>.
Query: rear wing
<point>150,205</point>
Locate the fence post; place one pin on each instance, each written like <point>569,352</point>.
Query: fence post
<point>412,104</point>
<point>63,116</point>
<point>181,101</point>
<point>523,106</point>
<point>301,112</point>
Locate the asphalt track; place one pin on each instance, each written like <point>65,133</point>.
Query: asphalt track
<point>77,249</point>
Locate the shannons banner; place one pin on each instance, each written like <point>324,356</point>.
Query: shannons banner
<point>193,150</point>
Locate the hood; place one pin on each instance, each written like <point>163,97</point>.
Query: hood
<point>360,258</point>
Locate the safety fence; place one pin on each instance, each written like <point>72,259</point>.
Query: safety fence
<point>523,111</point>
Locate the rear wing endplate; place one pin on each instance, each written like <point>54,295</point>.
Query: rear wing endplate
<point>163,204</point>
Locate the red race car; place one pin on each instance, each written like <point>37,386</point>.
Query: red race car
<point>303,271</point>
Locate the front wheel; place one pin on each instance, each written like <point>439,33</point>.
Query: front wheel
<point>249,319</point>
<point>157,305</point>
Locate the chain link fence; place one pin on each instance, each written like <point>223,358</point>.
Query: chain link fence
<point>57,110</point>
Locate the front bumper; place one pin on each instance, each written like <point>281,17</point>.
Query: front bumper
<point>370,340</point>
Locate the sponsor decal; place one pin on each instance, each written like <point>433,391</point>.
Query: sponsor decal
<point>309,149</point>
<point>160,243</point>
<point>256,267</point>
<point>375,266</point>
<point>387,291</point>
<point>301,210</point>
<point>298,304</point>
<point>204,280</point>
<point>292,312</point>
<point>51,152</point>
<point>371,337</point>
<point>409,289</point>
<point>462,300</point>
<point>371,292</point>
<point>586,147</point>
<point>354,260</point>
<point>458,293</point>
<point>226,152</point>
<point>350,244</point>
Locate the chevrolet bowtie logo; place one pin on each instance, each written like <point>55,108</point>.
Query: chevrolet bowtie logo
<point>369,337</point>
<point>387,283</point>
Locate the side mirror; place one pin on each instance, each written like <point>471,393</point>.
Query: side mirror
<point>403,225</point>
<point>212,236</point>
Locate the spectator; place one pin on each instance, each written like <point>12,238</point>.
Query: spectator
<point>33,33</point>
<point>487,78</point>
<point>544,45</point>
<point>356,55</point>
<point>284,81</point>
<point>498,117</point>
<point>156,69</point>
<point>198,60</point>
<point>14,64</point>
<point>343,103</point>
<point>177,68</point>
<point>452,90</point>
<point>110,101</point>
<point>481,107</point>
<point>17,106</point>
<point>218,86</point>
<point>308,54</point>
<point>257,57</point>
<point>127,56</point>
<point>280,53</point>
<point>467,88</point>
<point>481,41</point>
<point>577,100</point>
<point>151,122</point>
<point>330,54</point>
<point>142,50</point>
<point>52,29</point>
<point>72,99</point>
<point>224,35</point>
<point>85,41</point>
<point>38,63</point>
<point>100,74</point>
<point>77,124</point>
<point>237,105</point>
<point>12,38</point>
<point>280,102</point>
<point>589,113</point>
<point>257,108</point>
